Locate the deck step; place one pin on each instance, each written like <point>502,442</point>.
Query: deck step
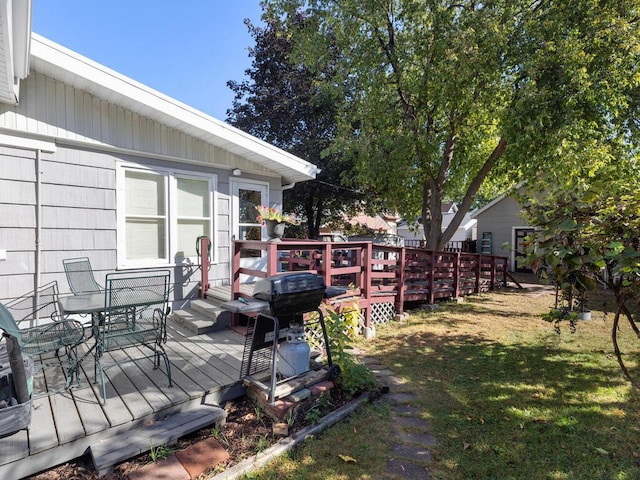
<point>206,308</point>
<point>108,453</point>
<point>194,322</point>
<point>202,316</point>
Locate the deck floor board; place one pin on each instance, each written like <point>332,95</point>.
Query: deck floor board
<point>45,437</point>
<point>65,423</point>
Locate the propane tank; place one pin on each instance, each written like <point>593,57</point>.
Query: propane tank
<point>294,354</point>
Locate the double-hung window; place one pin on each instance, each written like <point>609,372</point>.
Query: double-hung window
<point>161,215</point>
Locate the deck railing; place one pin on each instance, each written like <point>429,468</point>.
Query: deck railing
<point>373,274</point>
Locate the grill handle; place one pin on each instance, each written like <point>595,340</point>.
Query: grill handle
<point>331,292</point>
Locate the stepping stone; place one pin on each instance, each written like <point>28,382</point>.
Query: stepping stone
<point>411,452</point>
<point>411,422</point>
<point>405,469</point>
<point>201,456</point>
<point>414,438</point>
<point>167,469</point>
<point>400,397</point>
<point>404,409</point>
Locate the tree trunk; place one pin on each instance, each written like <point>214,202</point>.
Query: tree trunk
<point>432,203</point>
<point>432,213</point>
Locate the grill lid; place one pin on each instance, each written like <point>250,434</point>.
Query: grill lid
<point>287,284</point>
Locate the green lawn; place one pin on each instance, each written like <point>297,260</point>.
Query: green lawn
<point>507,398</point>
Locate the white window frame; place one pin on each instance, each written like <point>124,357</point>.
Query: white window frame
<point>171,208</point>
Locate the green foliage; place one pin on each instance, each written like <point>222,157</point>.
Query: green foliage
<point>589,235</point>
<point>219,435</point>
<point>283,103</point>
<point>459,101</point>
<point>313,415</point>
<point>354,377</point>
<point>160,452</point>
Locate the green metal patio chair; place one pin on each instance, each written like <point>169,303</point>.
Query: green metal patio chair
<point>35,321</point>
<point>80,276</point>
<point>136,308</point>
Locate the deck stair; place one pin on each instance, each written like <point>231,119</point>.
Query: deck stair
<point>165,431</point>
<point>201,316</point>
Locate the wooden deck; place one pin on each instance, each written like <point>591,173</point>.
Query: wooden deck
<point>67,424</point>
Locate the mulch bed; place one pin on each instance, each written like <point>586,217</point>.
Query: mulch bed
<point>246,432</point>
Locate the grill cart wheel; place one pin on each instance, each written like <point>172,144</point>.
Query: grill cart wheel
<point>334,371</point>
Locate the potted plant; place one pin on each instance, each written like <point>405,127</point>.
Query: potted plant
<point>275,221</point>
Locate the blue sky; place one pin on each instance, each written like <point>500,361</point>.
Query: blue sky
<point>187,50</point>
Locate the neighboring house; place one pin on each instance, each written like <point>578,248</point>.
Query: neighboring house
<point>500,222</point>
<point>466,230</point>
<point>382,228</point>
<point>93,163</point>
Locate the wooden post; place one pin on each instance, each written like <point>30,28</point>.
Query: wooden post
<point>205,245</point>
<point>456,275</point>
<point>326,268</point>
<point>235,278</point>
<point>493,272</point>
<point>402,256</point>
<point>430,274</point>
<point>365,287</point>
<point>478,271</point>
<point>272,258</point>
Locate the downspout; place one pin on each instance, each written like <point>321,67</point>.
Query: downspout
<point>38,247</point>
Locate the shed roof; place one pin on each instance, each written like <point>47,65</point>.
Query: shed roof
<point>496,200</point>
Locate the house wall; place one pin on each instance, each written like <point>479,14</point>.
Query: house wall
<point>78,184</point>
<point>51,109</point>
<point>500,219</point>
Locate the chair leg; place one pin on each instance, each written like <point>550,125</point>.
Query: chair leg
<point>167,365</point>
<point>73,368</point>
<point>99,369</point>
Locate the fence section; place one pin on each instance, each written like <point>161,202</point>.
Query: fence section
<point>382,279</point>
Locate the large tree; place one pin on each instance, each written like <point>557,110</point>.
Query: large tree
<point>281,102</point>
<point>454,100</point>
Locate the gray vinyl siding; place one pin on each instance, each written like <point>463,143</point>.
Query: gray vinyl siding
<point>79,217</point>
<point>500,220</point>
<point>50,108</point>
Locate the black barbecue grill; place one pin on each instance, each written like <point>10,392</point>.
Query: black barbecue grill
<point>291,293</point>
<point>280,301</point>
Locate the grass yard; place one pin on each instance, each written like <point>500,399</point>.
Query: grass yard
<point>506,396</point>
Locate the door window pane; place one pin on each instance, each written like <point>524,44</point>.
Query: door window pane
<point>249,200</point>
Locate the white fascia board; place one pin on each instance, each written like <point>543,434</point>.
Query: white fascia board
<point>22,10</point>
<point>6,29</point>
<point>470,224</point>
<point>107,83</point>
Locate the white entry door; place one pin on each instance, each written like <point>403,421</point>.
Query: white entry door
<point>246,196</point>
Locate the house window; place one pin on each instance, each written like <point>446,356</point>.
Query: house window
<point>163,214</point>
<point>146,215</point>
<point>194,213</point>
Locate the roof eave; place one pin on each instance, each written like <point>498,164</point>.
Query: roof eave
<point>69,67</point>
